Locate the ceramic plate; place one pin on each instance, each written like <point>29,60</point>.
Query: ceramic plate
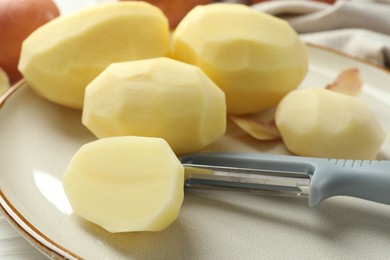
<point>38,138</point>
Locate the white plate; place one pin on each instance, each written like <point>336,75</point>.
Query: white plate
<point>38,138</point>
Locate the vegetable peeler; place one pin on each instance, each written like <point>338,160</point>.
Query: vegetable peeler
<point>315,178</point>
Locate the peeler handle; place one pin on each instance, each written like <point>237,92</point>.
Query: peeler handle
<point>368,180</point>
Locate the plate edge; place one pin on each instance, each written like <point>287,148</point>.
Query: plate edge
<point>37,239</point>
<point>348,56</point>
<point>43,243</point>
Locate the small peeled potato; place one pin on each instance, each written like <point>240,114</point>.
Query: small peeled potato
<point>253,57</point>
<point>125,184</point>
<point>157,97</point>
<point>323,123</point>
<point>59,59</point>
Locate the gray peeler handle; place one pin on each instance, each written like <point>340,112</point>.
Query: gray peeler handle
<point>368,180</point>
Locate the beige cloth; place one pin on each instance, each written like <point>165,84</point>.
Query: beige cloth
<point>359,28</point>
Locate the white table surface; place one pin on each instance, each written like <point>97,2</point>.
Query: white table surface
<point>15,247</point>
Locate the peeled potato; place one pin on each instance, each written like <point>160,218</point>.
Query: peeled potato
<point>253,57</point>
<point>125,184</point>
<point>175,10</point>
<point>60,58</point>
<point>323,123</point>
<point>157,97</point>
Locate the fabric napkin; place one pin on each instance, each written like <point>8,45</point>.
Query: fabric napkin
<point>360,28</point>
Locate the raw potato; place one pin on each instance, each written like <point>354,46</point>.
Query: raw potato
<point>253,57</point>
<point>175,10</point>
<point>60,58</point>
<point>158,97</point>
<point>18,19</point>
<point>323,123</point>
<point>126,184</point>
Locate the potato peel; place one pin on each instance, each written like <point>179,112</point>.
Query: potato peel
<point>260,126</point>
<point>347,82</point>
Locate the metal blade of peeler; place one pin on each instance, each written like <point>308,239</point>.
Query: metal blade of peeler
<point>315,178</point>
